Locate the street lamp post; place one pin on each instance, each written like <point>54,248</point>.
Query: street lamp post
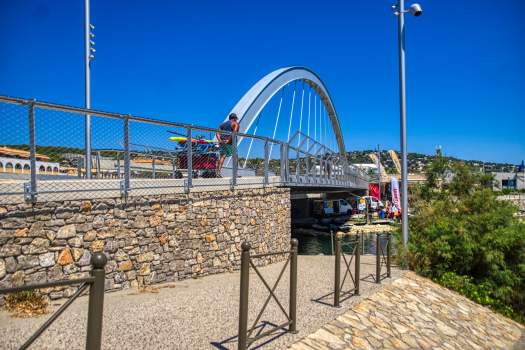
<point>415,9</point>
<point>87,65</point>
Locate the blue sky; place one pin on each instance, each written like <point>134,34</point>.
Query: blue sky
<point>193,61</point>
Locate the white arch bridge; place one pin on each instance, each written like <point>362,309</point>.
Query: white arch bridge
<point>303,149</point>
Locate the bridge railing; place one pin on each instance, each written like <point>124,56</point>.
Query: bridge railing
<point>45,154</point>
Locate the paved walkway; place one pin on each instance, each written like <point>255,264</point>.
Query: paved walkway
<point>202,313</point>
<point>415,313</point>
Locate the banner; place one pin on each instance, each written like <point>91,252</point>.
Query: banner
<point>374,191</point>
<point>394,184</point>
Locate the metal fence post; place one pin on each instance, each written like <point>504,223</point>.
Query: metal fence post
<point>362,243</point>
<point>32,149</point>
<point>96,302</point>
<point>173,166</point>
<point>293,287</point>
<point>243,303</point>
<point>266,161</point>
<point>357,266</point>
<point>118,165</point>
<point>337,283</point>
<point>283,162</point>
<point>235,160</point>
<point>287,160</point>
<point>98,164</point>
<point>388,253</point>
<point>332,240</point>
<point>189,157</point>
<point>127,158</point>
<point>378,258</point>
<point>153,167</point>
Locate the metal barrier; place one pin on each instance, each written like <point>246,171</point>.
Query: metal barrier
<point>380,255</point>
<point>95,307</point>
<point>244,334</point>
<point>338,253</point>
<point>133,155</point>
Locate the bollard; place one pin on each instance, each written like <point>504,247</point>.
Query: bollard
<point>378,258</point>
<point>357,266</point>
<point>293,287</point>
<point>337,283</point>
<point>96,302</point>
<point>388,253</point>
<point>243,304</point>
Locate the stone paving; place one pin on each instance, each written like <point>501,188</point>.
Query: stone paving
<point>415,313</point>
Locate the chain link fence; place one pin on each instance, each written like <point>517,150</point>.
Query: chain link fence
<point>43,156</point>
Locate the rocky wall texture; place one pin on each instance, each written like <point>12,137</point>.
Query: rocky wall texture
<point>147,240</point>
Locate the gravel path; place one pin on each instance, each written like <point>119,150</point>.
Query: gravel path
<point>202,313</point>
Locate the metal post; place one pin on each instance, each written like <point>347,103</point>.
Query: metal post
<point>379,169</point>
<point>388,253</point>
<point>79,166</point>
<point>243,303</point>
<point>235,160</point>
<point>362,243</point>
<point>32,148</point>
<point>332,240</point>
<point>298,166</point>
<point>266,161</point>
<point>118,165</point>
<point>173,166</point>
<point>98,164</point>
<point>293,287</point>
<point>307,167</point>
<point>96,302</point>
<point>153,167</point>
<point>378,258</point>
<point>337,283</point>
<point>357,266</point>
<point>287,161</point>
<point>283,160</point>
<point>189,157</point>
<point>403,117</point>
<point>87,64</point>
<point>127,158</point>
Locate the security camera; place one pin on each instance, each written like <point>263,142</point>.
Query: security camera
<point>93,50</point>
<point>91,26</point>
<point>396,14</point>
<point>91,42</point>
<point>91,57</point>
<point>394,7</point>
<point>416,10</point>
<point>91,35</point>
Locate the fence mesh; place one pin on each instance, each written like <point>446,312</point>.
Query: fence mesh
<point>162,155</point>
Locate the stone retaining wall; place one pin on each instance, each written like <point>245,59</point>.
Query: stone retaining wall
<point>147,239</point>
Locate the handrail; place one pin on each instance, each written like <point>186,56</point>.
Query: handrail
<point>95,306</point>
<point>380,255</point>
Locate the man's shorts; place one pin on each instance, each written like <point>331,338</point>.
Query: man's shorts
<point>228,149</point>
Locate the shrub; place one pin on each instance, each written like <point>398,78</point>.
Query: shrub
<point>458,225</point>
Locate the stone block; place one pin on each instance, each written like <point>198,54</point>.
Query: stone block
<point>27,262</point>
<point>68,231</point>
<point>46,260</point>
<point>65,257</point>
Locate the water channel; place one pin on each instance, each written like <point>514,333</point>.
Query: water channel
<point>321,244</point>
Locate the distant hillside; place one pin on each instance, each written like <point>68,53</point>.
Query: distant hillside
<point>417,162</point>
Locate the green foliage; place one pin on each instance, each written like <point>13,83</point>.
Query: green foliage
<point>458,225</point>
<point>476,292</point>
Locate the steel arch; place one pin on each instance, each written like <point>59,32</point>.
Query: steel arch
<point>249,107</point>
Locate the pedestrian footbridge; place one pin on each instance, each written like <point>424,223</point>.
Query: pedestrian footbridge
<point>97,154</point>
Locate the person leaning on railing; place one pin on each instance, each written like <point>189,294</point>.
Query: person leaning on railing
<point>225,141</point>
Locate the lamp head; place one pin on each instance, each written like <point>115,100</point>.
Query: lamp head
<point>416,10</point>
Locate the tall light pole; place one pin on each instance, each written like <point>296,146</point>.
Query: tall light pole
<point>87,62</point>
<point>415,9</point>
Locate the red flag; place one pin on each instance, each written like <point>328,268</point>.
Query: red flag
<point>374,191</point>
